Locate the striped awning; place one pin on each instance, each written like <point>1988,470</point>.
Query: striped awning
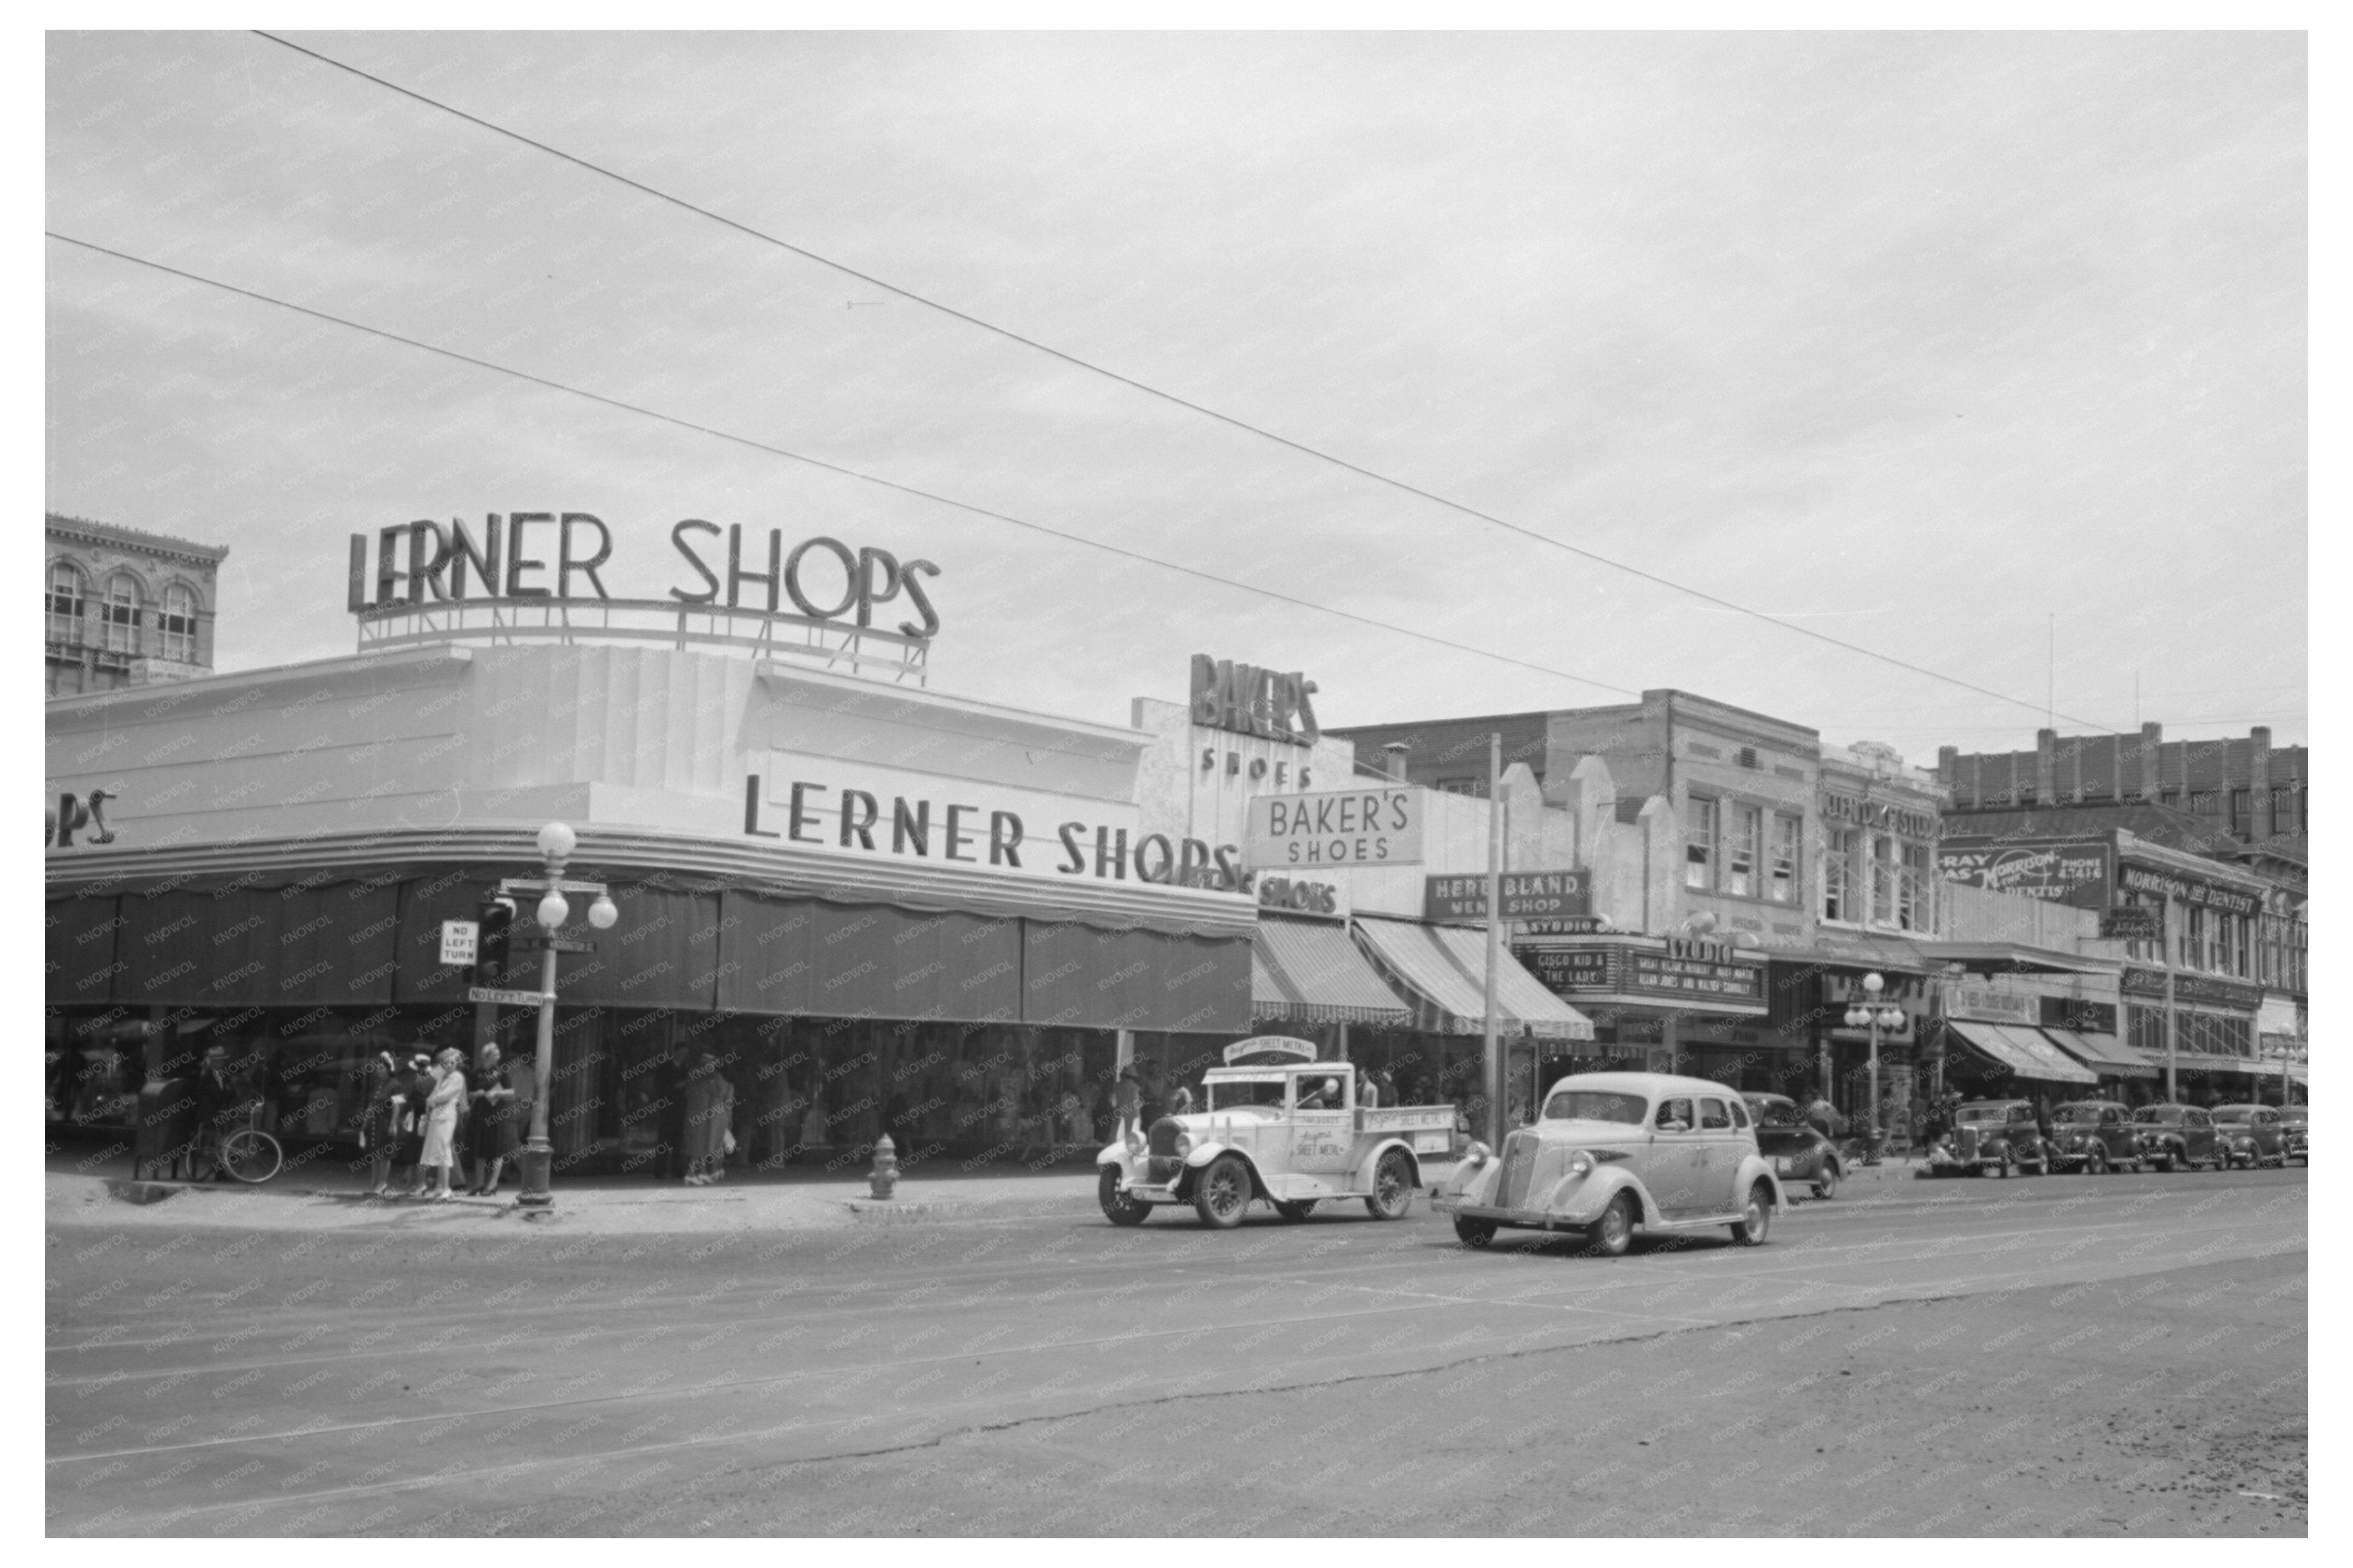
<point>1306,971</point>
<point>2104,1054</point>
<point>2021,1051</point>
<point>1442,971</point>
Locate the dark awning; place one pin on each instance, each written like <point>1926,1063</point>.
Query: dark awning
<point>2104,1054</point>
<point>1312,973</point>
<point>2021,1051</point>
<point>2015,958</point>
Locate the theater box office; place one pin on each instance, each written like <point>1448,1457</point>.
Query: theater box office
<point>881,907</point>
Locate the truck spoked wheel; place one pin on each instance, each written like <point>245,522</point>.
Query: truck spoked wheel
<point>1223,1191</point>
<point>1473,1232</point>
<point>1293,1213</point>
<point>1117,1207</point>
<point>1392,1187</point>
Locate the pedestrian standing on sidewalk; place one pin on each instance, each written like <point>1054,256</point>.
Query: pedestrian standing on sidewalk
<point>1127,1101</point>
<point>449,1092</point>
<point>408,1124</point>
<point>710,1106</point>
<point>669,1093</point>
<point>496,1138</point>
<point>379,1120</point>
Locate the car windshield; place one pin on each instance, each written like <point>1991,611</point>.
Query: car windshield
<point>1973,1113</point>
<point>2231,1114</point>
<point>1232,1095</point>
<point>2296,1113</point>
<point>1595,1105</point>
<point>2154,1113</point>
<point>1776,1113</point>
<point>2076,1113</point>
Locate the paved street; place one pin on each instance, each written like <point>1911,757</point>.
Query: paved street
<point>2069,1355</point>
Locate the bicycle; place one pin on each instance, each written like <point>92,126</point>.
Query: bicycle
<point>249,1154</point>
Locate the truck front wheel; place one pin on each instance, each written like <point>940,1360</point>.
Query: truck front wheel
<point>1222,1192</point>
<point>1117,1207</point>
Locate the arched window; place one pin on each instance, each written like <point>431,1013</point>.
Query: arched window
<point>122,614</point>
<point>178,623</point>
<point>64,603</point>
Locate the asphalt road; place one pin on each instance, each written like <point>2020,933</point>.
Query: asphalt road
<point>2067,1355</point>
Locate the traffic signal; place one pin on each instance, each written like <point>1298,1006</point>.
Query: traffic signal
<point>494,916</point>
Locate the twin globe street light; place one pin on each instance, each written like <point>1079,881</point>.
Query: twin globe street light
<point>557,842</point>
<point>1868,1014</point>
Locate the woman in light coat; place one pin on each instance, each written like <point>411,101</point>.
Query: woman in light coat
<point>710,1106</point>
<point>441,1122</point>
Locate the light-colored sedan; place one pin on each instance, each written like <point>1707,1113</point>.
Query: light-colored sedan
<point>1614,1153</point>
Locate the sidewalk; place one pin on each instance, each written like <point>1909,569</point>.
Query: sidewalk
<point>98,1188</point>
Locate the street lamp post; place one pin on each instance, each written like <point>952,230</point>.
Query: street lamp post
<point>557,842</point>
<point>1867,1015</point>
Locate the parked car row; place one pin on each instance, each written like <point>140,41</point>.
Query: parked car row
<point>1609,1154</point>
<point>2003,1137</point>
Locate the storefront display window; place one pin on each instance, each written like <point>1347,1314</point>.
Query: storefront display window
<point>1699,845</point>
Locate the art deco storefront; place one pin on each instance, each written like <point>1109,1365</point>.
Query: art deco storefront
<point>882,907</point>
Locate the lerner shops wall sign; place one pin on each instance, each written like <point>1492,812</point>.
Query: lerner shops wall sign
<point>866,809</point>
<point>420,563</point>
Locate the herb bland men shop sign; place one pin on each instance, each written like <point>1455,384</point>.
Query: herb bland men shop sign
<point>872,811</point>
<point>538,554</point>
<point>1527,895</point>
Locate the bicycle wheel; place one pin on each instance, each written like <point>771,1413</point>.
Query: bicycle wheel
<point>251,1155</point>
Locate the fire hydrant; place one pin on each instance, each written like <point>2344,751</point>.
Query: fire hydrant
<point>880,1179</point>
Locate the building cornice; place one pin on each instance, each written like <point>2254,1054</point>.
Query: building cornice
<point>85,530</point>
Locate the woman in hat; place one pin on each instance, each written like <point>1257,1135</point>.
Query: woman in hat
<point>710,1103</point>
<point>410,1089</point>
<point>379,1112</point>
<point>441,1104</point>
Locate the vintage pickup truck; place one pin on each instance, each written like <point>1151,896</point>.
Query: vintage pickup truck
<point>1280,1127</point>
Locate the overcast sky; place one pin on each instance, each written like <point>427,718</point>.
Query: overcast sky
<point>1917,339</point>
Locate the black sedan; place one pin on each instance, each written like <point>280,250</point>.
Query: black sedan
<point>1796,1146</point>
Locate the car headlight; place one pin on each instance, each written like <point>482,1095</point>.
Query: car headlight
<point>1579,1162</point>
<point>1477,1154</point>
<point>1184,1144</point>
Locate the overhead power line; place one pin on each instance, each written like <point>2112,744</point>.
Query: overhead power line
<point>831,467</point>
<point>1151,391</point>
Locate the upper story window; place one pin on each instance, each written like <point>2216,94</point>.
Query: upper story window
<point>63,603</point>
<point>178,623</point>
<point>1783,889</point>
<point>1882,879</point>
<point>1741,849</point>
<point>1838,874</point>
<point>1699,845</point>
<point>121,612</point>
<point>1912,888</point>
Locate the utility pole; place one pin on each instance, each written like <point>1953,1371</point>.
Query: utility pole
<point>1493,1059</point>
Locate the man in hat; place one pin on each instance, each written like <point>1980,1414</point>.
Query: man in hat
<point>220,1098</point>
<point>1128,1100</point>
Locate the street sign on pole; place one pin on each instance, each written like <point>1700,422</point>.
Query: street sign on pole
<point>458,940</point>
<point>544,884</point>
<point>560,943</point>
<point>506,998</point>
